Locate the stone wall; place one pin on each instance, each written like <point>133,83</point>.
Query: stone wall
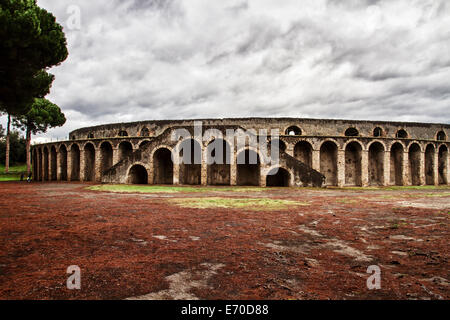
<point>315,153</point>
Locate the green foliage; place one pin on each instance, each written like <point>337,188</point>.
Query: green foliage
<point>2,132</point>
<point>42,116</point>
<point>30,42</point>
<point>17,153</point>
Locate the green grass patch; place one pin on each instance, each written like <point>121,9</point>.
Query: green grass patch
<point>237,203</point>
<point>14,172</point>
<point>169,189</point>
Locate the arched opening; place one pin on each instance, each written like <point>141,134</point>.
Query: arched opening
<point>125,150</point>
<point>281,145</point>
<point>441,136</point>
<point>75,159</point>
<point>396,174</point>
<point>376,164</point>
<point>63,162</point>
<point>377,132</point>
<point>443,164</point>
<point>414,164</point>
<point>39,173</point>
<point>162,167</point>
<point>191,167</point>
<point>303,152</point>
<point>123,133</point>
<point>89,162</point>
<point>53,164</point>
<point>430,153</point>
<point>90,136</point>
<point>138,175</point>
<point>353,164</point>
<point>143,144</point>
<point>293,131</point>
<point>145,132</point>
<point>402,134</point>
<point>106,157</point>
<point>351,132</point>
<point>278,177</point>
<point>46,160</point>
<point>328,162</point>
<point>248,168</point>
<point>219,159</point>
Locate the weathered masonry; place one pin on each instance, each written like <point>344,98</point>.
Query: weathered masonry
<point>313,153</point>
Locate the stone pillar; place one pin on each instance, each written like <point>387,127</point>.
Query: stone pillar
<point>406,174</point>
<point>341,168</point>
<point>82,165</point>
<point>422,180</point>
<point>115,156</point>
<point>290,149</point>
<point>69,165</point>
<point>316,160</point>
<point>58,166</point>
<point>49,165</point>
<point>436,167</point>
<point>387,168</point>
<point>364,168</point>
<point>176,174</point>
<point>264,170</point>
<point>204,169</point>
<point>98,166</point>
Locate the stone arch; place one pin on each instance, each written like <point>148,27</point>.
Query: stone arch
<point>106,156</point>
<point>90,135</point>
<point>378,132</point>
<point>352,132</point>
<point>328,162</point>
<point>443,164</point>
<point>63,162</point>
<point>53,164</point>
<point>396,158</point>
<point>142,144</point>
<point>190,156</point>
<point>219,168</point>
<point>353,169</point>
<point>125,149</point>
<point>46,162</point>
<point>293,131</point>
<point>145,132</point>
<point>303,152</point>
<point>162,166</point>
<point>278,177</point>
<point>137,174</point>
<point>430,153</point>
<point>89,162</point>
<point>401,134</point>
<point>75,160</point>
<point>414,163</point>
<point>376,163</point>
<point>441,136</point>
<point>123,133</point>
<point>248,168</point>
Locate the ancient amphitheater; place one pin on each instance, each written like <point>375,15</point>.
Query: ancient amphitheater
<point>312,153</point>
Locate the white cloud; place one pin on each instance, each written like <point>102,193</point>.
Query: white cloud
<point>135,60</point>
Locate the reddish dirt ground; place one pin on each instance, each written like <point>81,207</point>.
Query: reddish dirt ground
<point>139,245</point>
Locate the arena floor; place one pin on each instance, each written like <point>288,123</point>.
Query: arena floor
<point>223,243</point>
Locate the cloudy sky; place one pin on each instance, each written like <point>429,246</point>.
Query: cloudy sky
<point>170,59</point>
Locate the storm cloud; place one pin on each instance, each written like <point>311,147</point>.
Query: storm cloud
<point>171,59</point>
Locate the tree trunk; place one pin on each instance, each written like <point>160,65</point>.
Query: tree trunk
<point>28,151</point>
<point>7,144</point>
